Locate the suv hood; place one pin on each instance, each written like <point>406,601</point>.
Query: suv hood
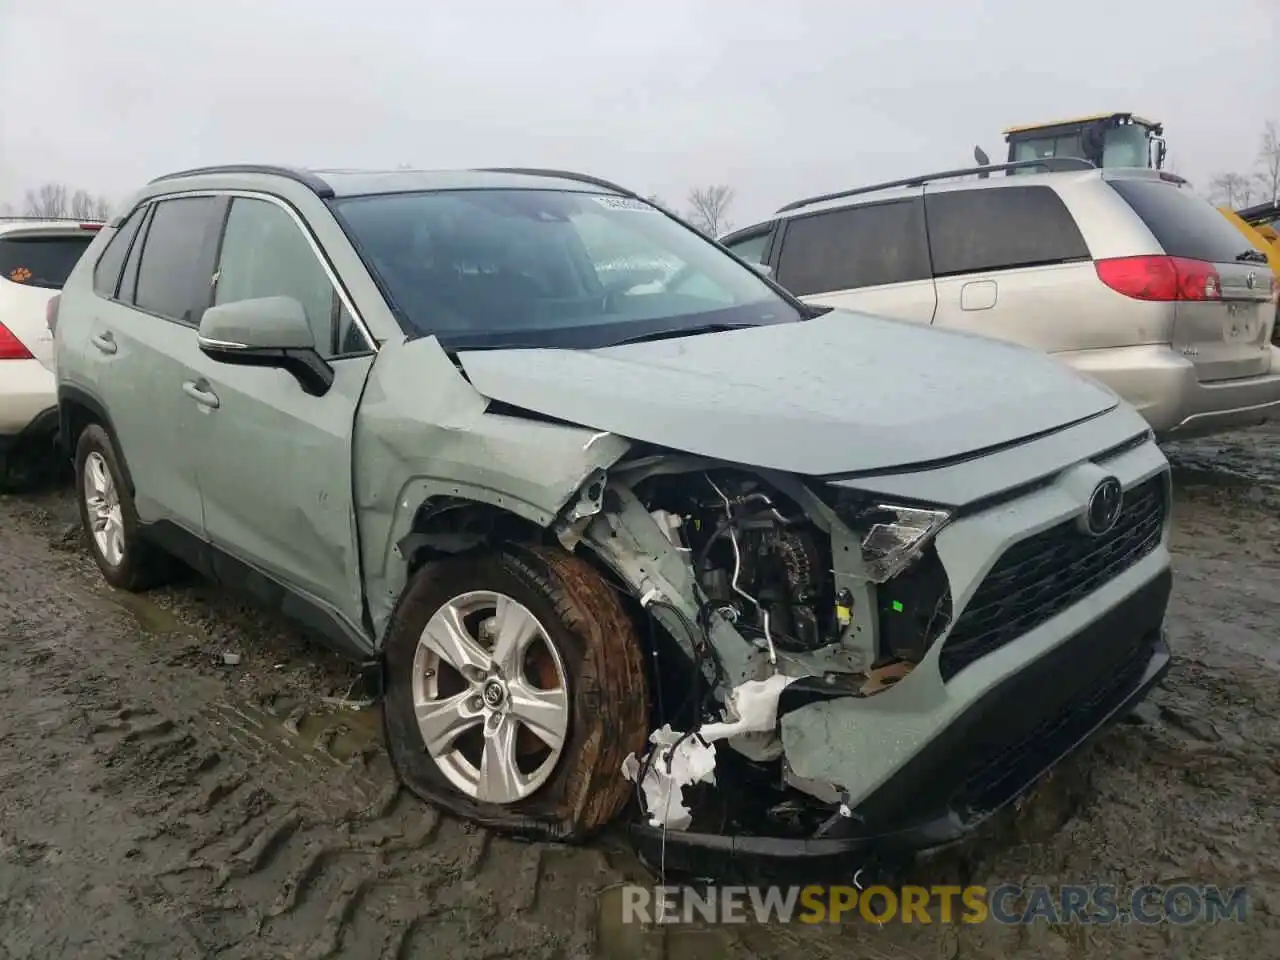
<point>843,393</point>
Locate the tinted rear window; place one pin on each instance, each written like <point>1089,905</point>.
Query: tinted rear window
<point>1000,229</point>
<point>40,261</point>
<point>854,247</point>
<point>172,272</point>
<point>1182,223</point>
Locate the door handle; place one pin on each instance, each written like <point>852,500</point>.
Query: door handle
<point>200,393</point>
<point>104,342</point>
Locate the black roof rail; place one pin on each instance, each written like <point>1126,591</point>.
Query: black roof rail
<point>304,177</point>
<point>564,175</point>
<point>1050,164</point>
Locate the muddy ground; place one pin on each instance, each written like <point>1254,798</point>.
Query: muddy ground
<point>157,802</point>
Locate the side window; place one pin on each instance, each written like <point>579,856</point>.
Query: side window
<point>106,275</point>
<point>265,254</point>
<point>172,271</point>
<point>854,247</point>
<point>751,249</point>
<point>129,279</point>
<point>997,229</point>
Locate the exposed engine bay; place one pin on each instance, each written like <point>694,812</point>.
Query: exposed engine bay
<point>762,570</point>
<point>766,566</point>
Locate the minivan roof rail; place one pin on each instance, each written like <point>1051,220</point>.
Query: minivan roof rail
<point>1049,164</point>
<point>304,177</point>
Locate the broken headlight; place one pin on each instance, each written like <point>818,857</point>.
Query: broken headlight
<point>892,535</point>
<point>896,537</point>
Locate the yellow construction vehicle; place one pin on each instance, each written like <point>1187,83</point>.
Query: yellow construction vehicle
<point>1104,139</point>
<point>1261,225</point>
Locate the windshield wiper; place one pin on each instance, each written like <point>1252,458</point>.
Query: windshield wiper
<point>1252,256</point>
<point>685,332</point>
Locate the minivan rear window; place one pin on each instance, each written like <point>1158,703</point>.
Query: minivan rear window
<point>1183,224</point>
<point>971,231</point>
<point>41,261</point>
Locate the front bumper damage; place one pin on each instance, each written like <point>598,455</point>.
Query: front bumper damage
<point>995,751</point>
<point>874,775</point>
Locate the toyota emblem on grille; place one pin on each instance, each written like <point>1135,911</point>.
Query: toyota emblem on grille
<point>1103,509</point>
<point>1251,281</point>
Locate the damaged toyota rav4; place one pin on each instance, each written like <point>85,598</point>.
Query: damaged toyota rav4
<point>617,520</point>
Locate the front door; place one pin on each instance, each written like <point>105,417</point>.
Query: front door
<point>275,476</point>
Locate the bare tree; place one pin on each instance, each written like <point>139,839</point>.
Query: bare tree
<point>85,206</point>
<point>709,207</point>
<point>1231,189</point>
<point>48,200</point>
<point>1268,175</point>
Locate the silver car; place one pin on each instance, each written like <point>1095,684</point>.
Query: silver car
<point>1124,274</point>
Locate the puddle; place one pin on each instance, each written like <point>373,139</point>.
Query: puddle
<point>151,619</point>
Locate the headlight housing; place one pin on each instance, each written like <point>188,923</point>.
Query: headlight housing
<point>892,535</point>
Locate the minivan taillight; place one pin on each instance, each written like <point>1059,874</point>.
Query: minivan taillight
<point>1160,278</point>
<point>11,348</point>
<point>51,312</point>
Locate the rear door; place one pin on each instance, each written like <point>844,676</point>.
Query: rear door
<point>144,336</point>
<point>873,258</point>
<point>1009,262</point>
<point>34,264</point>
<point>1223,328</point>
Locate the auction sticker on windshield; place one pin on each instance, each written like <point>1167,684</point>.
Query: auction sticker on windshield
<point>624,203</point>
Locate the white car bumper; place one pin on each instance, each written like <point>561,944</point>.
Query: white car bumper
<point>27,389</point>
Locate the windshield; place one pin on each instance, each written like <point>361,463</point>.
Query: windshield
<point>1126,146</point>
<point>494,268</point>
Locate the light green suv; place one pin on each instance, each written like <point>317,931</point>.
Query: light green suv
<point>610,512</point>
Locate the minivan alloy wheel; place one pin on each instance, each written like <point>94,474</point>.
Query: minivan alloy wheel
<point>103,503</point>
<point>491,696</point>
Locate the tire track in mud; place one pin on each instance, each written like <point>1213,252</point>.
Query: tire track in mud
<point>250,841</point>
<point>247,834</point>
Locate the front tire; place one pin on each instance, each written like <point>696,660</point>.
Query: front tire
<point>109,518</point>
<point>515,688</point>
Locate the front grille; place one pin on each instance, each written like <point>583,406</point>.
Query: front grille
<point>1041,576</point>
<point>1004,771</point>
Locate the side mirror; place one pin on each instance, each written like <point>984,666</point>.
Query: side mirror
<point>980,156</point>
<point>266,332</point>
<point>763,269</point>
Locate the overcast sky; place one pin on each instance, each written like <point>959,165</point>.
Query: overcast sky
<point>778,100</point>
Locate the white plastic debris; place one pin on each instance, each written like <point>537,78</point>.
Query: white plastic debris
<point>756,705</point>
<point>231,659</point>
<point>677,761</point>
<point>693,757</point>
